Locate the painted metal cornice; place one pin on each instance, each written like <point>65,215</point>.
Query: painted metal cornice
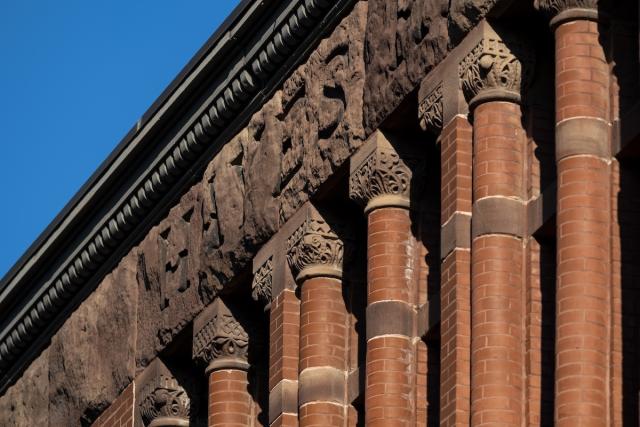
<point>236,71</point>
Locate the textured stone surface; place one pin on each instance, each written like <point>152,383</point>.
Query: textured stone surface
<point>91,358</point>
<point>167,278</point>
<point>25,403</point>
<point>405,39</point>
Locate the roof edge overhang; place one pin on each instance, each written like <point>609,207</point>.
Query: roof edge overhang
<point>227,81</point>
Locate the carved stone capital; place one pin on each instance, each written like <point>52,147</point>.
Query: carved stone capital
<point>315,249</point>
<point>262,285</point>
<point>380,176</point>
<point>220,341</point>
<point>498,67</point>
<point>568,10</point>
<point>431,110</point>
<point>161,400</point>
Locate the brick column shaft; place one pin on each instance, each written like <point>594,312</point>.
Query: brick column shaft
<point>315,252</point>
<point>583,224</point>
<point>455,324</point>
<point>497,280</point>
<point>229,400</point>
<point>284,327</point>
<point>380,181</point>
<point>323,346</point>
<point>389,384</point>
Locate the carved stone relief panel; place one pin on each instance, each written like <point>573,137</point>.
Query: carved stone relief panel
<point>168,276</point>
<point>321,117</point>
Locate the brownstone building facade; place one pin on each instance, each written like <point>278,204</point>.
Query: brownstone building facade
<point>354,213</point>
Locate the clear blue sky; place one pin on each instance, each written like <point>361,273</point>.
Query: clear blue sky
<point>75,75</point>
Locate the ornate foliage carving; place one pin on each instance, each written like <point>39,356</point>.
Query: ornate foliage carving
<point>263,282</point>
<point>162,397</point>
<point>430,110</point>
<point>556,6</point>
<point>314,243</point>
<point>219,336</point>
<point>495,65</point>
<point>381,173</point>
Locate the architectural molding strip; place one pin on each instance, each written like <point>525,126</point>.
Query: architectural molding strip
<point>129,192</point>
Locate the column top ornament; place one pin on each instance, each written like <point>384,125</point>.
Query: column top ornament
<point>161,401</point>
<point>568,10</point>
<point>262,284</point>
<point>431,110</point>
<point>380,175</point>
<point>314,248</point>
<point>219,339</point>
<point>498,67</point>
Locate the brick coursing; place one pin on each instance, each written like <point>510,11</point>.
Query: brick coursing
<point>121,411</point>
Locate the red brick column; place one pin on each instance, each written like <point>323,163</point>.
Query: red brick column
<point>323,345</point>
<point>455,316</point>
<point>271,278</point>
<point>496,256</point>
<point>380,180</point>
<point>583,217</point>
<point>221,343</point>
<point>390,365</point>
<point>229,401</point>
<point>492,77</point>
<point>284,329</point>
<point>315,254</point>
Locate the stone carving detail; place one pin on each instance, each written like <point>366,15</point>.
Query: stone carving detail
<point>495,65</point>
<point>162,399</point>
<point>314,243</point>
<point>556,6</point>
<point>430,111</point>
<point>218,335</point>
<point>263,282</point>
<point>381,173</point>
<point>230,98</point>
<point>321,113</point>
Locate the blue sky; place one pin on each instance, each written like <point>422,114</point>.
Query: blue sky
<point>75,75</point>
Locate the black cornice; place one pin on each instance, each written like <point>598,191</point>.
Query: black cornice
<point>229,79</point>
